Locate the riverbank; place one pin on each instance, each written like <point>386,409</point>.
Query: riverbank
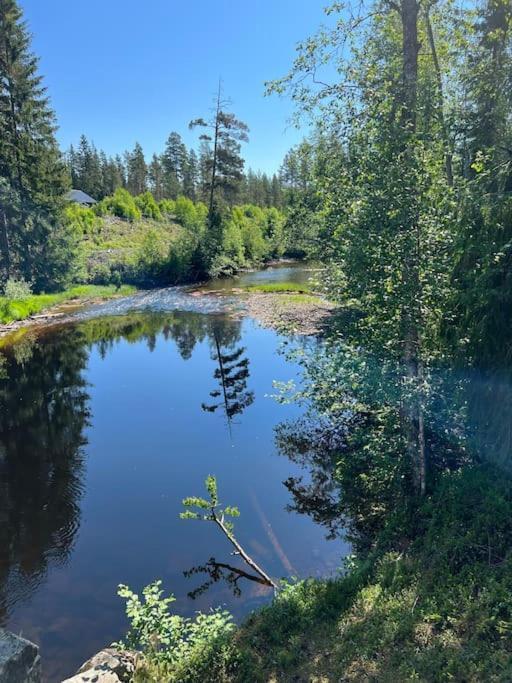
<point>303,314</point>
<point>432,609</point>
<point>40,309</point>
<point>288,307</point>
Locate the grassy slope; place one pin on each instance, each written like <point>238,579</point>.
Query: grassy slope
<point>441,610</point>
<point>24,308</point>
<point>119,241</point>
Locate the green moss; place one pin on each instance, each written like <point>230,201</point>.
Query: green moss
<point>20,310</point>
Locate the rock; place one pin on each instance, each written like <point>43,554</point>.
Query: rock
<point>19,659</point>
<point>108,666</point>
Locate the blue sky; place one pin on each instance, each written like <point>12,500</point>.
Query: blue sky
<point>122,71</point>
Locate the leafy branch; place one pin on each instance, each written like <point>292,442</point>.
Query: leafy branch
<point>210,510</point>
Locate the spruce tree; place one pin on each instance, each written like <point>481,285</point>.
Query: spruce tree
<point>174,160</point>
<point>33,178</point>
<point>137,170</point>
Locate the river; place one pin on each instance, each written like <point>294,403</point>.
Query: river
<point>105,425</point>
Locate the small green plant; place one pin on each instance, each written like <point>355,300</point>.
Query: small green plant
<point>179,648</point>
<point>17,289</point>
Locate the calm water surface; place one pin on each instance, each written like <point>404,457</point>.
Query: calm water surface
<point>105,426</point>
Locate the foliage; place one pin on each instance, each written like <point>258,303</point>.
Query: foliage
<point>150,259</point>
<point>175,647</point>
<point>17,289</point>
<point>82,220</point>
<point>120,204</point>
<point>167,207</point>
<point>148,207</point>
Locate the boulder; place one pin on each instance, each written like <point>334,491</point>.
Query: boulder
<point>108,666</point>
<point>19,659</point>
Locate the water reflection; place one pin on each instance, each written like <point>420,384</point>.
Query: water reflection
<point>44,411</point>
<point>231,374</point>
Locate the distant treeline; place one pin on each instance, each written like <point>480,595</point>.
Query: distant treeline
<point>177,171</point>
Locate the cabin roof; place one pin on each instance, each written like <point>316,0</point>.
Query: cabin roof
<point>79,197</point>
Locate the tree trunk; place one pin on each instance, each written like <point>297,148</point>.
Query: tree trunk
<point>4,244</point>
<point>214,160</point>
<point>448,159</point>
<point>413,412</point>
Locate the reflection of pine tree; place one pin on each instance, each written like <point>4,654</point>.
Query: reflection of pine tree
<point>232,374</point>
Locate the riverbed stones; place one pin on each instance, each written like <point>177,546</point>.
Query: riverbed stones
<point>19,659</point>
<point>108,666</point>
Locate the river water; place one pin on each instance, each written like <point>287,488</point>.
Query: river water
<point>105,425</point>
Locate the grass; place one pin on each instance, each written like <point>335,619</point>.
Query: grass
<point>13,310</point>
<point>278,287</point>
<point>439,611</point>
<point>118,241</point>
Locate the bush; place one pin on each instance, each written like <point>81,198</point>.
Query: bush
<point>120,204</point>
<point>167,207</point>
<point>150,259</point>
<point>191,216</point>
<point>248,221</point>
<point>17,290</point>
<point>181,256</point>
<point>82,220</point>
<point>274,232</point>
<point>176,648</point>
<point>148,207</point>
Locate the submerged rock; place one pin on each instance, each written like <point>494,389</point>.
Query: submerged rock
<point>108,666</point>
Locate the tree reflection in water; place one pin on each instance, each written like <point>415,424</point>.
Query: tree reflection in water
<point>44,410</point>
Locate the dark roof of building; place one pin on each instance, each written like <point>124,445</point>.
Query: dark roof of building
<point>79,197</point>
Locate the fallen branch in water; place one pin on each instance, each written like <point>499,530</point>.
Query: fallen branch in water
<point>217,570</point>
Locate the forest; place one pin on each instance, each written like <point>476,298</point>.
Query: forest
<point>402,191</point>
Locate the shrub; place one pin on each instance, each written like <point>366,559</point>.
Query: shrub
<point>82,220</point>
<point>181,256</point>
<point>167,207</point>
<point>120,204</point>
<point>100,274</point>
<point>274,232</point>
<point>17,290</point>
<point>255,247</point>
<point>151,256</point>
<point>191,216</point>
<point>176,648</point>
<point>148,207</point>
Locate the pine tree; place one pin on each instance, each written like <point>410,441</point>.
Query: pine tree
<point>223,171</point>
<point>225,165</point>
<point>32,171</point>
